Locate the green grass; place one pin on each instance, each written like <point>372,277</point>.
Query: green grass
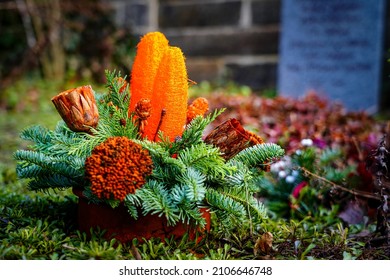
<point>43,225</point>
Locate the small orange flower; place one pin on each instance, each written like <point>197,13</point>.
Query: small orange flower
<point>198,107</point>
<point>117,167</point>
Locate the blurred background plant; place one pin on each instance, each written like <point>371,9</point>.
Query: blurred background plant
<point>324,175</point>
<point>48,46</point>
<point>292,192</point>
<point>60,40</point>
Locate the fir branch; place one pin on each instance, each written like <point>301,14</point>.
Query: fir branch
<point>133,202</point>
<point>189,211</point>
<point>51,181</point>
<point>113,203</point>
<point>64,141</point>
<point>193,133</point>
<point>114,84</point>
<point>37,134</point>
<point>259,154</point>
<point>85,147</point>
<point>156,201</point>
<point>254,208</point>
<point>240,175</point>
<point>193,183</point>
<point>155,148</point>
<point>205,158</point>
<point>91,197</point>
<point>178,194</point>
<point>165,168</point>
<point>257,209</point>
<point>30,171</point>
<point>60,165</point>
<point>229,211</point>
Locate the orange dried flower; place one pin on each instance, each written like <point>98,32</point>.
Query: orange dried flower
<point>150,51</point>
<point>142,113</point>
<point>198,107</point>
<point>77,107</point>
<point>117,167</point>
<point>170,94</point>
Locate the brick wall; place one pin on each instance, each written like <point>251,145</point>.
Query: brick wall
<point>222,39</point>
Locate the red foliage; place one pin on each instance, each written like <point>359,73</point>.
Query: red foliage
<point>287,121</point>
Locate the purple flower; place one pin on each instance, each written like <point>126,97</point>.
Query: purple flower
<point>319,143</point>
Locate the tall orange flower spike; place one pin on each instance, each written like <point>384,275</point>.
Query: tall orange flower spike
<point>150,51</point>
<point>170,95</point>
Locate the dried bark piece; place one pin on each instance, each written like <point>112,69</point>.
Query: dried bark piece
<point>231,138</point>
<point>77,107</point>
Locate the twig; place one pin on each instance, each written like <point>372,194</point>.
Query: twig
<point>354,192</point>
<point>163,112</point>
<point>360,154</point>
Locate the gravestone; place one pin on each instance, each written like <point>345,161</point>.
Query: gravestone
<point>333,48</point>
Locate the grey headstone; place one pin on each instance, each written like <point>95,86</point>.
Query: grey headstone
<point>334,48</point>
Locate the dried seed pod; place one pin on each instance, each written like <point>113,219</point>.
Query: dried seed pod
<point>142,112</point>
<point>77,107</point>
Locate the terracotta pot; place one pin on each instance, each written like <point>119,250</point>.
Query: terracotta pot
<point>120,225</point>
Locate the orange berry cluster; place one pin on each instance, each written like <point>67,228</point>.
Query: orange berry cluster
<point>117,167</point>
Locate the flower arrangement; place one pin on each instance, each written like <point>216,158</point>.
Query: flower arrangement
<point>141,146</point>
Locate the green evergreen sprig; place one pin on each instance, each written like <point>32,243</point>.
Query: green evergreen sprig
<point>259,154</point>
<point>193,133</point>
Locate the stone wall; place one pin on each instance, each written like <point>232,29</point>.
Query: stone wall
<point>222,39</point>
